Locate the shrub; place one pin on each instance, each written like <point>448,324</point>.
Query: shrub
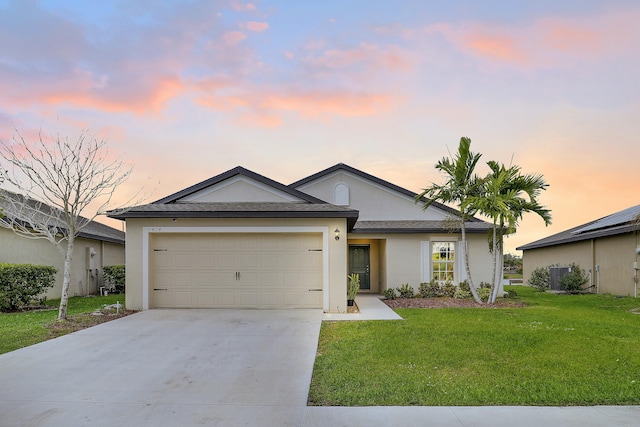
<point>390,293</point>
<point>462,294</point>
<point>406,291</point>
<point>484,294</point>
<point>115,275</point>
<point>574,281</point>
<point>430,289</point>
<point>540,279</point>
<point>464,285</point>
<point>20,284</point>
<point>485,285</point>
<point>448,289</point>
<point>511,294</point>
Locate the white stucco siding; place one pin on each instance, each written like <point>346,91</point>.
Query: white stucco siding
<point>374,202</point>
<point>405,258</point>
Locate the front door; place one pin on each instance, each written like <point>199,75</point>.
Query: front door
<point>359,264</point>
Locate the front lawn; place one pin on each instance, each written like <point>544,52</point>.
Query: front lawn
<point>558,350</point>
<point>26,328</point>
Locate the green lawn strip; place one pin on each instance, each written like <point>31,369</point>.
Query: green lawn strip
<point>26,328</point>
<point>559,350</point>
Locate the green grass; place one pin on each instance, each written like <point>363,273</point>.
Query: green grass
<point>31,327</point>
<point>559,350</point>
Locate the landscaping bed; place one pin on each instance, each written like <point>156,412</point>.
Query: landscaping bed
<point>444,302</point>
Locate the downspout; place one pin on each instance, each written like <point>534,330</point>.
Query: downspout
<point>593,271</point>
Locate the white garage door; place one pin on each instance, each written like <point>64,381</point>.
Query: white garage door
<point>228,270</point>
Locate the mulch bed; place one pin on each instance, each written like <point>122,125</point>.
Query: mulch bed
<point>444,302</point>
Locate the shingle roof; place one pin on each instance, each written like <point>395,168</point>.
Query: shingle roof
<point>416,226</point>
<point>93,230</point>
<point>238,210</point>
<point>618,223</point>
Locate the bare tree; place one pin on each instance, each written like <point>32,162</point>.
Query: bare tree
<point>55,182</point>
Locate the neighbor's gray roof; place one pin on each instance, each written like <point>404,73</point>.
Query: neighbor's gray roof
<point>416,226</point>
<point>238,210</point>
<point>93,230</point>
<point>621,222</point>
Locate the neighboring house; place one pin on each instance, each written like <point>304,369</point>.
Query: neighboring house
<point>607,248</point>
<point>98,245</point>
<point>240,239</point>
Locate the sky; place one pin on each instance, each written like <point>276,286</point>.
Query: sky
<point>185,90</point>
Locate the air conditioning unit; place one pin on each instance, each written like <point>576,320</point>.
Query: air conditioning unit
<point>555,274</point>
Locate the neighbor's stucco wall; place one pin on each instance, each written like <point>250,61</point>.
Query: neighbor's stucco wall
<point>614,255</point>
<point>337,251</point>
<point>19,250</point>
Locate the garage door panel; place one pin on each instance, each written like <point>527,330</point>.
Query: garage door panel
<point>237,270</point>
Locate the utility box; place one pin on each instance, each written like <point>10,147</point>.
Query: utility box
<point>555,274</point>
<point>90,259</point>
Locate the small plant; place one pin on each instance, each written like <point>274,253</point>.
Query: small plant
<point>540,279</point>
<point>464,285</point>
<point>389,294</point>
<point>430,289</point>
<point>511,294</point>
<point>406,291</point>
<point>484,294</point>
<point>574,281</point>
<point>448,289</point>
<point>485,285</point>
<point>353,287</point>
<point>461,294</point>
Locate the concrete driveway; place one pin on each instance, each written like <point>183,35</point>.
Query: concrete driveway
<point>167,368</point>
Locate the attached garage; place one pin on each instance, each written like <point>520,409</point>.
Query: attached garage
<point>236,270</point>
<point>237,240</point>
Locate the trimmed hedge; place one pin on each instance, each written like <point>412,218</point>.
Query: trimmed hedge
<point>115,275</point>
<point>20,284</point>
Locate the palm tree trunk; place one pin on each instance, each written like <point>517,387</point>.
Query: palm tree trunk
<point>472,287</point>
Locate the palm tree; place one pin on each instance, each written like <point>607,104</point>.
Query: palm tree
<point>461,183</point>
<point>507,195</point>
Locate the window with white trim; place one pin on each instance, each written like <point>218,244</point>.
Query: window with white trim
<point>443,261</point>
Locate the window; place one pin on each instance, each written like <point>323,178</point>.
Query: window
<point>443,256</point>
<point>341,194</point>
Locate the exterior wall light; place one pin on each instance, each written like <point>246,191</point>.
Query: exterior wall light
<point>337,234</point>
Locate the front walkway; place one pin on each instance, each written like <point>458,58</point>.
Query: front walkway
<point>371,308</point>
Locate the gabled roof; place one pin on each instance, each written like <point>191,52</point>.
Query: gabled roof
<point>346,168</point>
<point>92,230</point>
<point>173,198</point>
<point>172,206</point>
<point>622,222</point>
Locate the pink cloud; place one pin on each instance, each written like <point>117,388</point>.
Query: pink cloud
<point>549,41</point>
<point>233,37</point>
<point>257,27</point>
<point>372,58</point>
<point>242,7</point>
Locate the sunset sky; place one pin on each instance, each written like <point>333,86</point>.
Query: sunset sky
<point>185,90</point>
